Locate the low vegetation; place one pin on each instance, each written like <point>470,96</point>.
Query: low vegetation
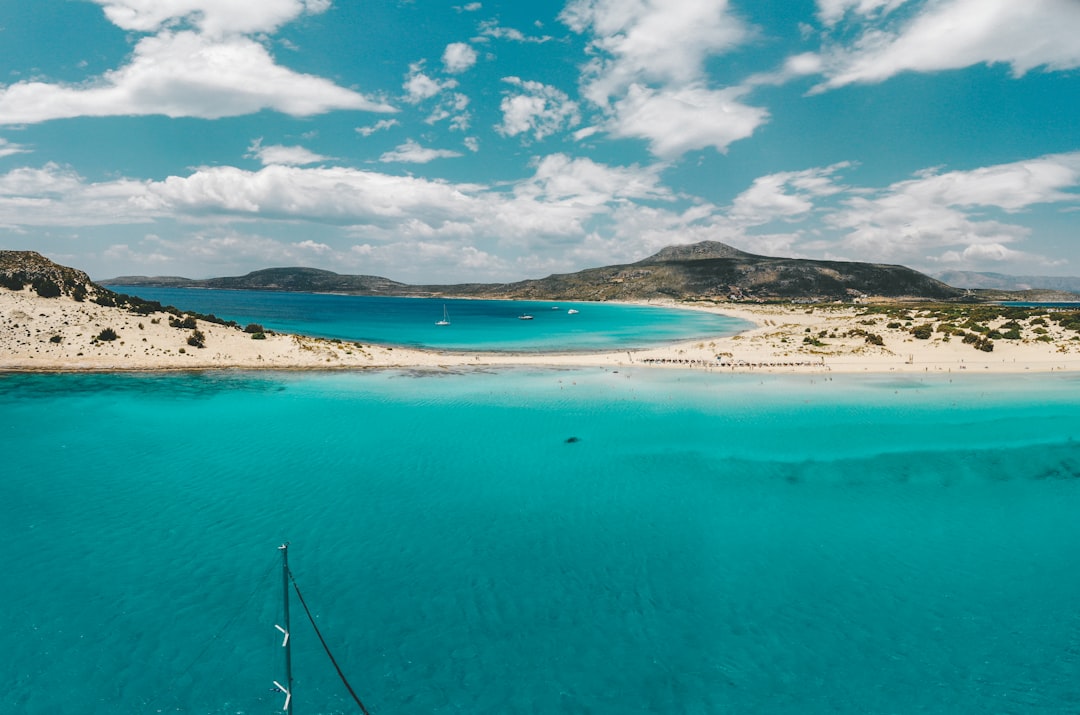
<point>47,289</point>
<point>977,325</point>
<point>256,331</point>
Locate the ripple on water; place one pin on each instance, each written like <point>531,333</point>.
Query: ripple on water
<point>705,547</point>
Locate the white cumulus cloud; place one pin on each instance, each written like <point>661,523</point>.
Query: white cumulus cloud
<point>650,41</point>
<point>559,177</point>
<point>419,86</point>
<point>677,120</point>
<point>210,17</point>
<point>536,108</point>
<point>381,125</point>
<point>452,106</point>
<point>491,28</point>
<point>279,154</point>
<point>412,153</point>
<point>942,216</point>
<point>785,195</point>
<point>647,72</point>
<point>831,12</point>
<point>952,34</point>
<point>458,57</point>
<point>8,148</point>
<point>184,74</point>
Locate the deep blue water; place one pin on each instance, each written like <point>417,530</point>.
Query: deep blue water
<point>474,324</point>
<point>711,543</point>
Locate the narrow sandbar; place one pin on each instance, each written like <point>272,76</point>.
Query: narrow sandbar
<point>61,334</point>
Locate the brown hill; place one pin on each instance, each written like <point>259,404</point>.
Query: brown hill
<point>703,270</point>
<point>19,269</point>
<point>718,271</point>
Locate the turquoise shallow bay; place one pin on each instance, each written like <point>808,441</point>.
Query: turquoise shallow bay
<point>710,544</point>
<point>491,325</point>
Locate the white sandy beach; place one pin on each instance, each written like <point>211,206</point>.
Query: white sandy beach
<point>59,334</point>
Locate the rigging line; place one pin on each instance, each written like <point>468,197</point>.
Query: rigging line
<point>259,588</point>
<point>325,646</point>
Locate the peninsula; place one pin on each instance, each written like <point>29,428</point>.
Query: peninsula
<point>54,318</point>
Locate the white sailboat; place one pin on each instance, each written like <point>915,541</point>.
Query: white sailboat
<point>445,317</point>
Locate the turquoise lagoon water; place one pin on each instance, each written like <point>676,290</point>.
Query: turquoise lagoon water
<point>474,324</point>
<point>710,543</point>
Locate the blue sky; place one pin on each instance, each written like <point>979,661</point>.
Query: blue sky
<point>493,141</point>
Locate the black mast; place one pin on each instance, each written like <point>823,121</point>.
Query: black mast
<point>287,687</point>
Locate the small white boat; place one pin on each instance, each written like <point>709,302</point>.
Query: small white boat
<point>525,316</point>
<point>572,311</point>
<point>445,317</point>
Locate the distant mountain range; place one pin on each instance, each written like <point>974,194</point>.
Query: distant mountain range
<point>1000,281</point>
<point>300,280</point>
<point>702,270</point>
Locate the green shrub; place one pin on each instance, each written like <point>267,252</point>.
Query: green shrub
<point>55,339</point>
<point>874,339</point>
<point>12,281</point>
<point>923,331</point>
<point>258,336</point>
<point>107,334</point>
<point>1069,321</point>
<point>254,328</point>
<point>144,307</point>
<point>197,339</point>
<point>47,289</point>
<point>975,326</point>
<point>186,323</point>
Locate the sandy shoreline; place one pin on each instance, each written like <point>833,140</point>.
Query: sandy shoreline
<point>62,335</point>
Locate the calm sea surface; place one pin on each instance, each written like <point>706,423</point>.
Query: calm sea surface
<point>710,543</point>
<point>474,324</point>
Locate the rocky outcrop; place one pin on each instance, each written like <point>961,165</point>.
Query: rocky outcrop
<point>20,269</point>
